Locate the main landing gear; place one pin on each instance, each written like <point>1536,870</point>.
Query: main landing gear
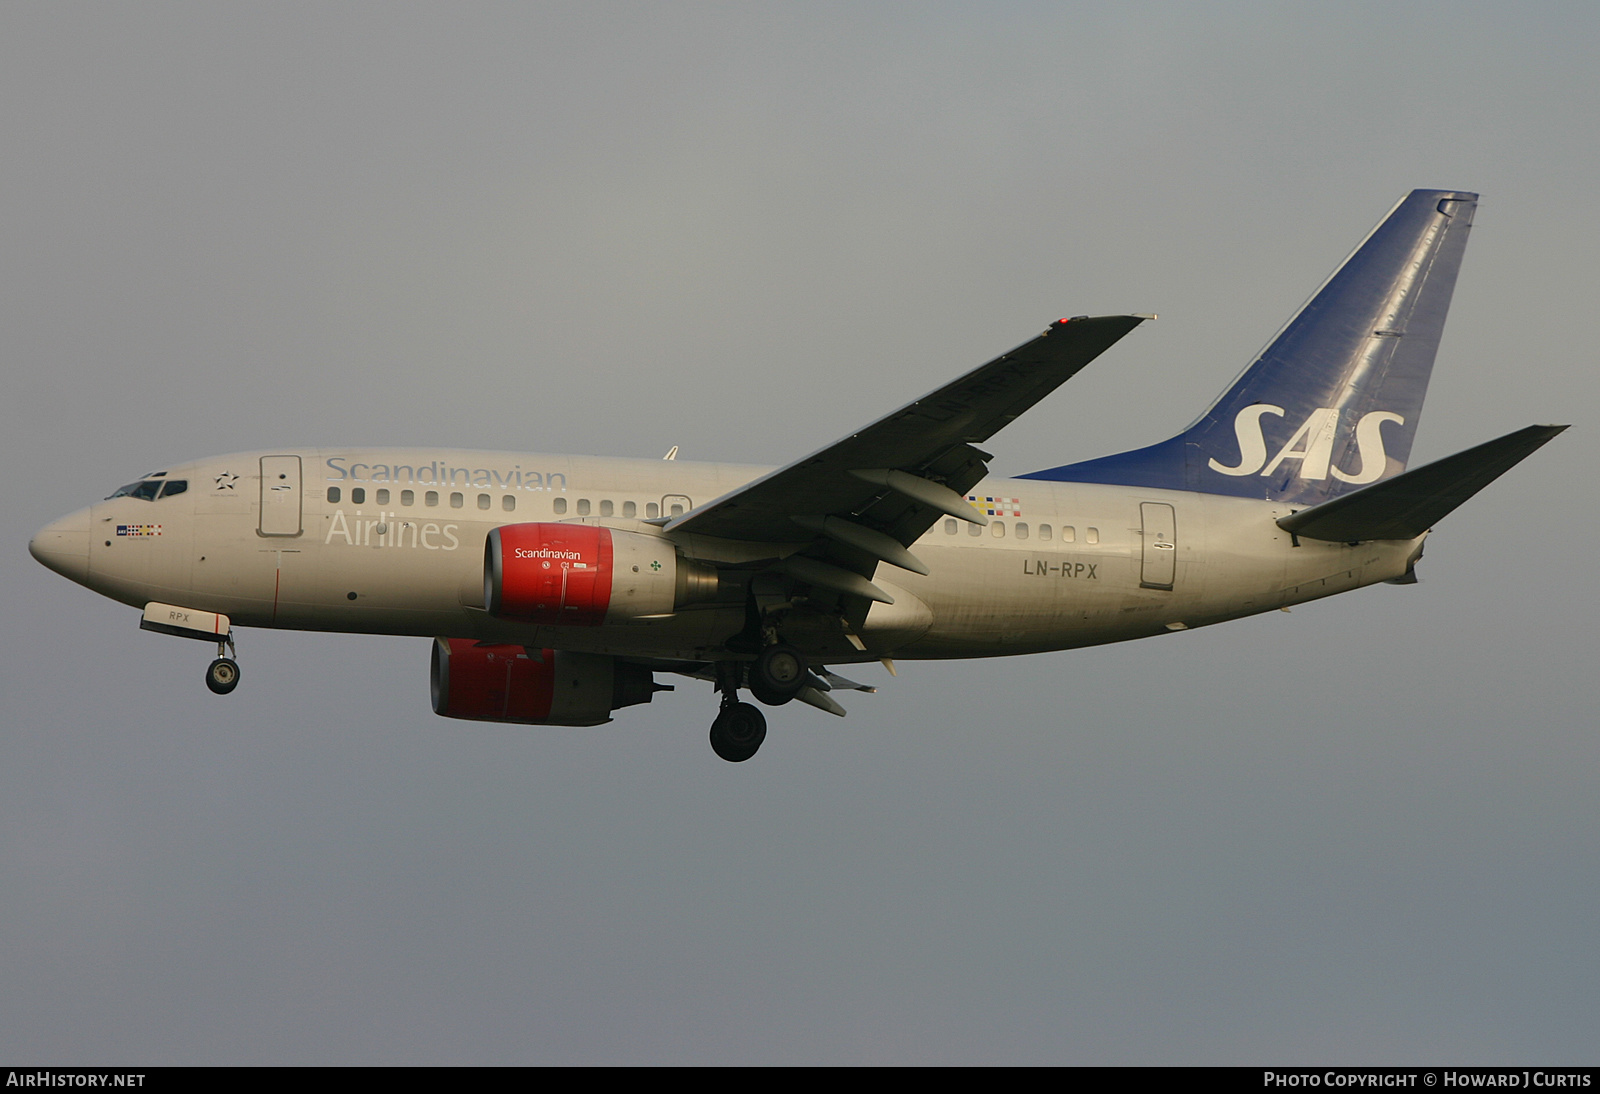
<point>776,676</point>
<point>222,675</point>
<point>738,732</point>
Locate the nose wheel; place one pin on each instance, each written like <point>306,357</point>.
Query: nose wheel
<point>222,675</point>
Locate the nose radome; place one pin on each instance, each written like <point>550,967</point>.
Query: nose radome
<point>63,545</point>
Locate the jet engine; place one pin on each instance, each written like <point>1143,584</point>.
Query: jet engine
<point>580,575</point>
<point>533,687</point>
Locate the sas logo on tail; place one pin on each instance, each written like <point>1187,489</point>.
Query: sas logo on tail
<point>1311,444</point>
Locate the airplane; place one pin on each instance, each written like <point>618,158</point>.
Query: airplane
<point>555,588</point>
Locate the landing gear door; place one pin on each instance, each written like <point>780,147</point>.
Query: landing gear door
<point>1160,562</point>
<point>280,495</point>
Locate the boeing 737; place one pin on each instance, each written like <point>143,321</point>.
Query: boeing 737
<point>557,588</point>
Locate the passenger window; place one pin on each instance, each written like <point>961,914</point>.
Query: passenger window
<point>560,506</point>
<point>583,507</point>
<point>431,498</point>
<point>997,529</point>
<point>974,529</point>
<point>483,501</point>
<point>383,497</point>
<point>509,502</point>
<point>457,499</point>
<point>605,509</point>
<point>677,510</point>
<point>333,494</point>
<point>629,509</point>
<point>408,497</point>
<point>652,511</point>
<point>358,495</point>
<point>949,526</point>
<point>1091,535</point>
<point>1022,531</point>
<point>1044,531</point>
<point>1069,534</point>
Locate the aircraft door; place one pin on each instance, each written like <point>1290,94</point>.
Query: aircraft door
<point>1160,561</point>
<point>280,496</point>
<point>675,505</point>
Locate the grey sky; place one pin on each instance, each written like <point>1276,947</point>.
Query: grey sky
<point>1360,832</point>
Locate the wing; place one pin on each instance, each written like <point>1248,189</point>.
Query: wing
<point>865,498</point>
<point>865,477</point>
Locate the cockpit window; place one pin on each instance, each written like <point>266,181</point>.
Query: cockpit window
<point>144,490</point>
<point>147,489</point>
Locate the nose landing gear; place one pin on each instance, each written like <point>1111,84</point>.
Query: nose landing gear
<point>222,675</point>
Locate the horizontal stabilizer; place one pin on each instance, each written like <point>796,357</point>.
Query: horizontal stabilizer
<point>1408,505</point>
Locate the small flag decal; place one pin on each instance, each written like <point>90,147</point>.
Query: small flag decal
<point>996,507</point>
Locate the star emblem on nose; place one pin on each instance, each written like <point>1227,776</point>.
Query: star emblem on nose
<point>226,480</point>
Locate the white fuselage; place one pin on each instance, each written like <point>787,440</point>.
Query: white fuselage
<point>386,541</point>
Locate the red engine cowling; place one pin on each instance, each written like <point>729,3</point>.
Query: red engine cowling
<point>538,687</point>
<point>580,575</point>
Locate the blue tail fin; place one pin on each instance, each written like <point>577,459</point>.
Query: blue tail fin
<point>1333,402</point>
